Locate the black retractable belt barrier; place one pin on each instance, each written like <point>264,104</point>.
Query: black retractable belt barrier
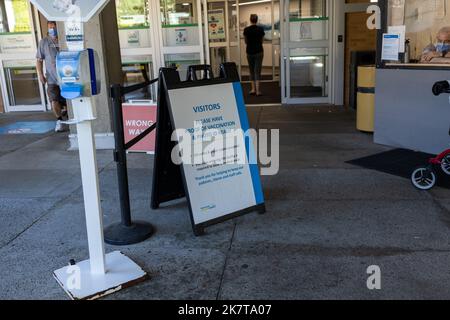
<point>127,231</point>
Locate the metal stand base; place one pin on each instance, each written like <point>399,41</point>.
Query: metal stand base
<point>120,235</point>
<point>80,284</point>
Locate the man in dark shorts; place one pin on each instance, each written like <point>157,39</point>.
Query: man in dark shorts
<point>254,37</point>
<point>47,51</point>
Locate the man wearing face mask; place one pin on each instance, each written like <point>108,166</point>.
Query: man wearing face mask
<point>441,49</point>
<point>47,52</point>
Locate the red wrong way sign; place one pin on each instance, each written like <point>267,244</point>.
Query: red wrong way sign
<point>137,117</point>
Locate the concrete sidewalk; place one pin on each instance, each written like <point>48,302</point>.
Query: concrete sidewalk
<point>326,222</point>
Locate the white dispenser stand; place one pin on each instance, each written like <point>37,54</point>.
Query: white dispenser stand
<point>78,72</point>
<point>101,274</point>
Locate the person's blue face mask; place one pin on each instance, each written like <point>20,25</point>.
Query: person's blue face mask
<point>52,32</point>
<point>442,47</point>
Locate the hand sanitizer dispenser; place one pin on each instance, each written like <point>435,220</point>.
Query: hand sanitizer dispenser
<point>78,73</point>
<point>79,80</point>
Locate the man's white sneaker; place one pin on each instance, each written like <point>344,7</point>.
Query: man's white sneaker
<point>59,126</point>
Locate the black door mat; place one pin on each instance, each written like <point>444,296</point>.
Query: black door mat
<point>271,93</point>
<point>399,162</point>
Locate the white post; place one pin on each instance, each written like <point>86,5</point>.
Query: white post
<point>84,113</point>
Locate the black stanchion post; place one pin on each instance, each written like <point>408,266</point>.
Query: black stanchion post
<point>126,232</point>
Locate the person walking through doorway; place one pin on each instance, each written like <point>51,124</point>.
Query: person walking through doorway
<point>254,37</point>
<point>47,51</point>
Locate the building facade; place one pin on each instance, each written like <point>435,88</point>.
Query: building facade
<point>307,46</point>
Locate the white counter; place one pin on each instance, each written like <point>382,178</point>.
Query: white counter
<point>407,114</point>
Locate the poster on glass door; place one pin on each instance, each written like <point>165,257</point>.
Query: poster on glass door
<point>391,47</point>
<point>216,24</point>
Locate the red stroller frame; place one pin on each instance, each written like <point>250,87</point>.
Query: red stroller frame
<point>425,177</point>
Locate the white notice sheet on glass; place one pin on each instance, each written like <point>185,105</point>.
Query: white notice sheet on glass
<point>391,47</point>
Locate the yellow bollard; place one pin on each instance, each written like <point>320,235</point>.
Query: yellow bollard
<point>365,119</point>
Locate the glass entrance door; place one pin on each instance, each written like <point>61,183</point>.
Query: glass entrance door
<point>306,51</point>
<point>158,33</point>
<point>136,46</point>
<point>21,89</point>
<point>181,34</point>
<point>222,32</point>
<point>225,40</point>
<point>268,12</point>
<point>227,20</point>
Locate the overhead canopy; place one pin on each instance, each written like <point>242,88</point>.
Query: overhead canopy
<point>64,10</point>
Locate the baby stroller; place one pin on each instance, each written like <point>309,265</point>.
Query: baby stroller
<point>425,177</point>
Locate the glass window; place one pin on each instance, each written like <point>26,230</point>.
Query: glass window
<point>132,14</point>
<point>138,69</point>
<point>178,12</point>
<point>302,9</point>
<point>15,17</point>
<point>308,72</point>
<point>22,82</point>
<point>308,20</point>
<point>427,24</point>
<point>182,62</point>
<point>180,23</point>
<point>133,22</point>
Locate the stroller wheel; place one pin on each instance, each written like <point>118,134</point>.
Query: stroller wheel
<point>424,178</point>
<point>445,165</point>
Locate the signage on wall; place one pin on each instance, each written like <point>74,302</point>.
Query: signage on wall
<point>181,36</point>
<point>133,37</point>
<point>16,43</point>
<point>216,24</point>
<point>306,30</point>
<point>401,31</point>
<point>391,47</point>
<point>74,35</point>
<point>137,117</point>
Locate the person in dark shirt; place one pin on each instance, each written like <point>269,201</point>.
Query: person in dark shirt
<point>254,37</point>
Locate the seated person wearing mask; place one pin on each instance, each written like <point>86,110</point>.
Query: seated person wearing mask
<point>441,49</point>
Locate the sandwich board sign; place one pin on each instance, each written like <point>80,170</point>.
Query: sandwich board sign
<point>64,10</point>
<point>215,190</point>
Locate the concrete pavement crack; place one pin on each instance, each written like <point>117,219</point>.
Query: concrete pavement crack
<point>219,291</point>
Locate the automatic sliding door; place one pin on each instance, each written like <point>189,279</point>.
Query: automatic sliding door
<point>223,33</point>
<point>267,19</point>
<point>217,34</point>
<point>182,37</point>
<point>22,85</point>
<point>18,77</point>
<point>306,51</point>
<point>136,46</point>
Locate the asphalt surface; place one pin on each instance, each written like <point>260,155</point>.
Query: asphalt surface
<point>326,222</point>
